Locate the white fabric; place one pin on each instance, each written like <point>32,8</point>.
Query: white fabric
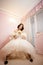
<point>18,44</point>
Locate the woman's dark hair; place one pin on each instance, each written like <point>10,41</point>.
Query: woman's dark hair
<point>20,25</point>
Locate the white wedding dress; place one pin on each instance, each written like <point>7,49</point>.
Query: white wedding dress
<point>18,44</point>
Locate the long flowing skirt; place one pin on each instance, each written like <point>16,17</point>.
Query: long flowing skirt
<point>18,45</point>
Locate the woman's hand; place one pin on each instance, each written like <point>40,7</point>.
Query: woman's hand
<point>10,37</point>
<point>15,36</point>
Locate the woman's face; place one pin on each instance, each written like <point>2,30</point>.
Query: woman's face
<point>20,27</point>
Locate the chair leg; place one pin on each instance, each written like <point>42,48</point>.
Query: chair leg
<point>6,61</point>
<point>28,56</point>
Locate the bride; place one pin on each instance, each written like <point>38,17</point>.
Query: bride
<point>18,42</point>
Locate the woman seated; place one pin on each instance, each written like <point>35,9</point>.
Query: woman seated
<point>18,42</point>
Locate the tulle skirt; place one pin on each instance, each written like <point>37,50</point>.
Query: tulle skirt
<point>18,45</point>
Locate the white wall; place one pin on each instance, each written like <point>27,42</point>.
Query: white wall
<point>7,25</point>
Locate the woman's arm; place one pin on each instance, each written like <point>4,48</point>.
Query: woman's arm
<point>24,36</point>
<point>13,36</point>
<point>10,37</point>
